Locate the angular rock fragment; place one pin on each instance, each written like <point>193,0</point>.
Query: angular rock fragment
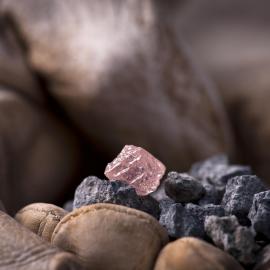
<point>237,240</point>
<point>217,171</point>
<point>138,168</point>
<point>201,212</point>
<point>260,213</point>
<point>178,222</point>
<point>186,220</point>
<point>165,204</point>
<point>183,188</point>
<point>239,194</point>
<point>93,190</point>
<point>207,210</point>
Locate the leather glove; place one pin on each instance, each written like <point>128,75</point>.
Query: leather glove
<point>21,249</point>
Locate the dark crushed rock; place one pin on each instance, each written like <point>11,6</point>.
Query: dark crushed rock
<point>183,188</point>
<point>179,222</point>
<point>214,174</point>
<point>260,213</point>
<point>165,204</point>
<point>213,195</point>
<point>94,190</point>
<point>201,212</point>
<point>212,202</point>
<point>239,194</point>
<point>186,220</point>
<point>217,171</point>
<point>228,235</point>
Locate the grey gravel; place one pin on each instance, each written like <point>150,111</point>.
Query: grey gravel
<point>239,194</point>
<point>214,173</point>
<point>186,220</point>
<point>217,171</point>
<point>165,204</point>
<point>213,195</point>
<point>201,170</point>
<point>228,235</point>
<point>94,190</point>
<point>260,213</point>
<point>183,188</point>
<point>179,222</point>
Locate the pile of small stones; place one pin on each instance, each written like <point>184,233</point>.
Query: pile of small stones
<point>223,204</point>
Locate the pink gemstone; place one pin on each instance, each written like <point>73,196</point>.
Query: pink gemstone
<point>138,168</point>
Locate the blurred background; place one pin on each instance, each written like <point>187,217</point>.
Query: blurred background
<point>230,40</point>
<point>80,79</point>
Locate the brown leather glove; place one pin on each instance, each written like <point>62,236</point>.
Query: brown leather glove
<point>107,236</point>
<point>190,253</point>
<point>103,236</point>
<point>41,218</point>
<point>120,72</point>
<point>22,249</point>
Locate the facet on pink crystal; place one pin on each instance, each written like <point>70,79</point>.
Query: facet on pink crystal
<point>138,168</point>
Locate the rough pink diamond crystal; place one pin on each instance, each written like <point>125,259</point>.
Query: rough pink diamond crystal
<point>138,168</point>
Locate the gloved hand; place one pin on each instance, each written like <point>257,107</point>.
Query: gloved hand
<point>21,249</point>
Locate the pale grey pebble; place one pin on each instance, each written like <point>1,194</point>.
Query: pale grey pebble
<point>260,213</point>
<point>188,220</point>
<point>183,188</point>
<point>94,190</point>
<point>227,234</point>
<point>238,197</point>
